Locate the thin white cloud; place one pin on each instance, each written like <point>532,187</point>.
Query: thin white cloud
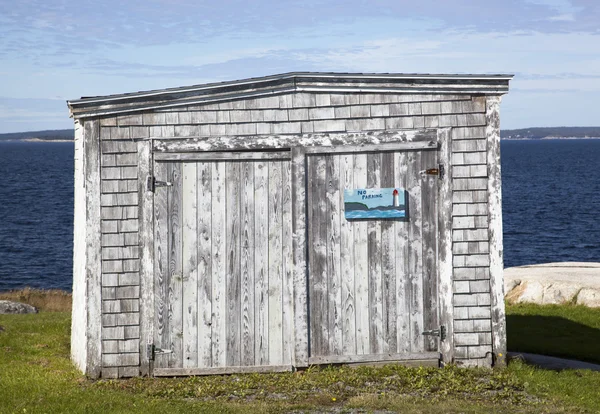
<point>50,48</point>
<point>568,17</point>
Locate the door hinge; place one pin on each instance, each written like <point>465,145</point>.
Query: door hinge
<point>441,332</point>
<point>152,183</point>
<point>152,351</point>
<point>439,171</point>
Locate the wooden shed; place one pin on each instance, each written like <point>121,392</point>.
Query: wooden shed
<point>273,223</point>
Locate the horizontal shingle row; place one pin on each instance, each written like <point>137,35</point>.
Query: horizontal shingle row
<point>121,279</point>
<point>311,100</point>
<point>225,116</point>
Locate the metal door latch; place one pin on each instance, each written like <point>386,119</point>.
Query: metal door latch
<point>152,183</point>
<point>439,171</point>
<point>441,332</point>
<point>152,351</point>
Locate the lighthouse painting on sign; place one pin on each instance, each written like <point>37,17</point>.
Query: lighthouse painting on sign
<point>375,203</point>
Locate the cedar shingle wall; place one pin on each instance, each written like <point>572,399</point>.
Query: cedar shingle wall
<point>296,114</point>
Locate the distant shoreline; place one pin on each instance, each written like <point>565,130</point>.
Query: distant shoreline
<point>34,139</point>
<point>46,140</point>
<point>37,140</point>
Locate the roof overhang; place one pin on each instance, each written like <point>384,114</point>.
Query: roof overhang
<point>285,83</point>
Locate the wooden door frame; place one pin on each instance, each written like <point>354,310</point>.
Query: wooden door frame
<point>435,138</point>
<point>444,268</point>
<point>146,242</point>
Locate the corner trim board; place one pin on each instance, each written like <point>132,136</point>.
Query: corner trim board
<point>495,230</point>
<point>146,242</point>
<point>445,268</point>
<point>93,248</point>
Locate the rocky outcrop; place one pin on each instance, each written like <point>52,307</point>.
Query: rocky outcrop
<point>554,283</point>
<point>8,307</point>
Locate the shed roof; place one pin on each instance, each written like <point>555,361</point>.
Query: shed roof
<point>286,83</point>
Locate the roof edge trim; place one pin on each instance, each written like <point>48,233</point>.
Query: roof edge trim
<point>285,83</point>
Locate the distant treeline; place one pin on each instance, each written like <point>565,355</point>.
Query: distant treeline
<point>551,132</point>
<point>525,133</point>
<point>49,135</point>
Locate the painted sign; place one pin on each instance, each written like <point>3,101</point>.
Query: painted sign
<point>375,203</point>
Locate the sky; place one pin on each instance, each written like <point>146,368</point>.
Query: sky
<point>55,50</point>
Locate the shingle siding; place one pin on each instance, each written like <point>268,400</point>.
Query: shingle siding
<point>297,113</point>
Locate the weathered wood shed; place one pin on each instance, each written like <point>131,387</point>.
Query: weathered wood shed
<point>273,223</point>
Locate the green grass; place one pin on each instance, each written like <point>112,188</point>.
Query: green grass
<point>579,389</point>
<point>567,331</point>
<point>36,376</point>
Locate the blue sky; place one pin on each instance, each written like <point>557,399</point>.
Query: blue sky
<point>54,50</point>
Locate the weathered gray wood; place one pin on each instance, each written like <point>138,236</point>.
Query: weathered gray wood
<point>146,243</point>
<point>373,141</point>
<point>287,271</point>
<point>301,333</point>
<point>232,260</point>
<point>445,250</point>
<point>346,166</point>
<point>93,255</point>
<point>388,263</point>
<point>222,156</point>
<point>429,235</point>
<point>204,252</point>
<point>373,148</point>
<point>361,268</point>
<point>317,255</point>
<point>495,230</point>
<point>219,284</point>
<point>415,251</point>
<point>79,324</point>
<point>402,261</point>
<point>388,357</point>
<point>175,295</point>
<point>261,265</point>
<point>376,338</point>
<point>247,263</point>
<point>334,298</point>
<point>190,264</point>
<point>185,372</point>
<point>161,267</point>
<point>275,263</point>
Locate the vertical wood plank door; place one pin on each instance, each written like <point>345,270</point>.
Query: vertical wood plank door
<point>223,266</point>
<point>372,283</point>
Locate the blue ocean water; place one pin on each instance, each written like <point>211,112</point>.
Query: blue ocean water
<point>36,215</point>
<point>382,214</point>
<point>551,199</point>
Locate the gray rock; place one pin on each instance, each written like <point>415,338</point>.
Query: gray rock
<point>8,307</point>
<point>554,283</point>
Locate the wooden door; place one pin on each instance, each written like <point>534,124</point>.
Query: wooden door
<point>372,284</point>
<point>223,263</point>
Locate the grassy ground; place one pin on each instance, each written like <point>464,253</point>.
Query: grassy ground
<point>36,376</point>
<point>52,300</point>
<point>567,331</point>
